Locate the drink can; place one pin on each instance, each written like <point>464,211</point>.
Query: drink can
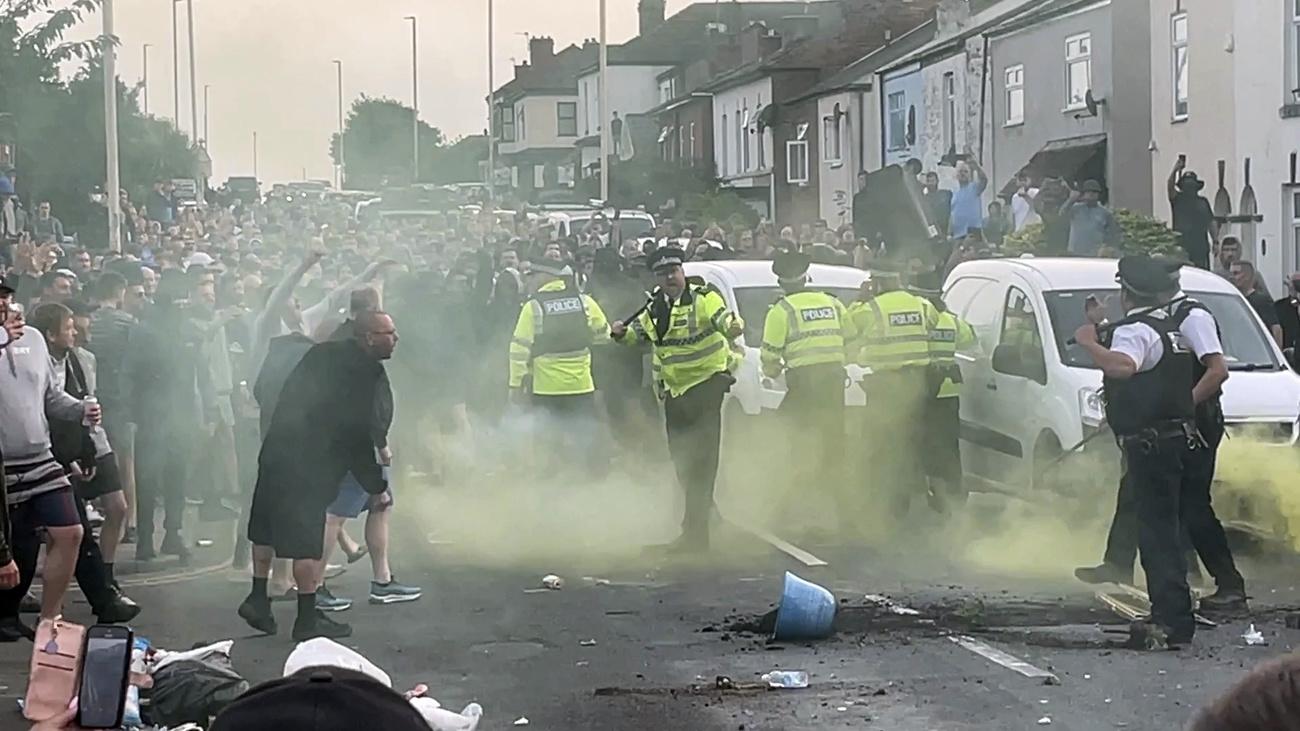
<point>88,401</point>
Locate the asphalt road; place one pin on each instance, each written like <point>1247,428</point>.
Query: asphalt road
<point>482,634</point>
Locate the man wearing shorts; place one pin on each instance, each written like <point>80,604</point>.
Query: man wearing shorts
<point>322,430</point>
<point>37,491</point>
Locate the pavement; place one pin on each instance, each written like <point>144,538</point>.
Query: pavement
<point>638,640</point>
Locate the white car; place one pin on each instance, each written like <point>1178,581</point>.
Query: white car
<point>750,288</point>
<point>1020,413</point>
<point>632,224</point>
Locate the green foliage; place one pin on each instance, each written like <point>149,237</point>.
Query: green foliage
<point>654,183</point>
<point>1142,235</point>
<point>377,138</point>
<point>57,123</point>
<point>719,206</point>
<point>459,161</point>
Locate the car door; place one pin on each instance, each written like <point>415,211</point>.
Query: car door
<point>978,301</point>
<point>1017,387</point>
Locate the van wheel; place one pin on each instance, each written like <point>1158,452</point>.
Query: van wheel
<point>1045,467</point>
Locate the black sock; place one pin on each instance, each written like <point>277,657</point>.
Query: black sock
<point>108,569</point>
<point>307,607</point>
<point>259,589</point>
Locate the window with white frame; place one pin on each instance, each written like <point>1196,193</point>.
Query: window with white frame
<point>692,142</point>
<point>744,145</point>
<point>760,138</point>
<point>523,125</point>
<point>681,143</point>
<point>1178,57</point>
<point>508,123</point>
<point>796,161</point>
<point>897,109</point>
<point>950,111</point>
<point>1293,196</point>
<point>539,176</point>
<point>665,90</point>
<point>1078,69</point>
<point>725,168</point>
<point>1015,84</point>
<point>833,137</point>
<point>740,141</point>
<point>1294,51</point>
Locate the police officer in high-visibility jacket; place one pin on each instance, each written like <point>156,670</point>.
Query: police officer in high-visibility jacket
<point>943,410</point>
<point>690,329</point>
<point>552,346</point>
<point>804,335</point>
<point>894,328</point>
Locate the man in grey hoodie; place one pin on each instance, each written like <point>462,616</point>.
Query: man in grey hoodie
<point>37,491</point>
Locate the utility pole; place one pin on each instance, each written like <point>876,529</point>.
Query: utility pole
<point>492,110</point>
<point>605,146</point>
<point>113,191</point>
<point>194,104</point>
<point>339,168</point>
<point>176,68</point>
<point>206,139</point>
<point>254,154</point>
<point>145,80</point>
<point>415,104</point>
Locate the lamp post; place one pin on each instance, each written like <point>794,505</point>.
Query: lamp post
<point>176,69</point>
<point>145,79</point>
<point>415,104</point>
<point>604,110</point>
<point>206,139</point>
<point>492,110</point>
<point>113,203</point>
<point>194,104</point>
<point>342,160</point>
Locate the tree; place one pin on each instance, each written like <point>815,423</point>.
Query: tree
<point>459,161</point>
<point>377,145</point>
<point>57,123</point>
<point>1142,235</point>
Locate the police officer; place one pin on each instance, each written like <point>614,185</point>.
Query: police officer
<point>805,334</point>
<point>552,344</point>
<point>893,326</point>
<point>690,330</point>
<point>943,409</point>
<point>1149,374</point>
<point>1201,526</point>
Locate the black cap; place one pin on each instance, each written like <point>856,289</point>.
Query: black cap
<point>666,257</point>
<point>1090,186</point>
<point>790,264</point>
<point>320,699</point>
<point>5,288</point>
<point>1145,276</point>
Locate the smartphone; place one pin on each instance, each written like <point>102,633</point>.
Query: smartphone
<point>1182,159</point>
<point>105,670</point>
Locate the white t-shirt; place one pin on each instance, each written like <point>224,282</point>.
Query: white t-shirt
<point>1022,210</point>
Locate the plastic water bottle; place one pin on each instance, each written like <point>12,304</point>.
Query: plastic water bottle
<point>88,402</point>
<point>786,679</point>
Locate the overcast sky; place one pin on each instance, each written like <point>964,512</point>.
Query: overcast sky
<point>269,65</point>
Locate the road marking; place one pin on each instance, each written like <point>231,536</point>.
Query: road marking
<point>1006,660</point>
<point>172,578</point>
<point>795,552</point>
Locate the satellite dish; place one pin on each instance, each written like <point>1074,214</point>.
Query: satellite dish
<point>1092,103</point>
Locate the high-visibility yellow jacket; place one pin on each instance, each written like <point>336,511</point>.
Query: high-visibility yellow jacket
<point>894,328</point>
<point>803,329</point>
<point>553,340</point>
<point>697,343</point>
<point>949,336</point>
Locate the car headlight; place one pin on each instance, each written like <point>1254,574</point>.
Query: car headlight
<point>1092,410</point>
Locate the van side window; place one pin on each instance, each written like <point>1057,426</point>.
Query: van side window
<point>1020,327</point>
<point>983,311</point>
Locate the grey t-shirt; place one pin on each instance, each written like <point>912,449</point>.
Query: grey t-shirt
<point>1090,228</point>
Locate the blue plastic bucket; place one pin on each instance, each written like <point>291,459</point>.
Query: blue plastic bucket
<point>807,611</point>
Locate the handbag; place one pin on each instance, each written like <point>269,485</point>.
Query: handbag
<point>56,658</point>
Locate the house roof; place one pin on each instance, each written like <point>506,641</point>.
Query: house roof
<point>686,36</point>
<point>558,75</point>
<point>851,76</point>
<point>986,15</point>
<point>869,23</point>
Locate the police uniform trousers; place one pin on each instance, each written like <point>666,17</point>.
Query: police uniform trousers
<point>895,413</point>
<point>943,444</point>
<point>1157,467</point>
<point>693,422</point>
<point>813,412</point>
<point>1201,528</point>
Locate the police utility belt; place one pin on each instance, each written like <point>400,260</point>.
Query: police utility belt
<point>1147,439</point>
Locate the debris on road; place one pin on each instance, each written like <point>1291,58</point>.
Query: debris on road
<point>1045,721</point>
<point>596,581</point>
<point>807,611</point>
<point>552,582</point>
<point>1292,621</point>
<point>1254,637</point>
<point>890,606</point>
<point>521,721</point>
<point>786,679</point>
<point>587,643</point>
<point>441,719</point>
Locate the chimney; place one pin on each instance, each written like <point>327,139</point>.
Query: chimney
<point>951,16</point>
<point>541,50</point>
<point>652,14</point>
<point>757,42</point>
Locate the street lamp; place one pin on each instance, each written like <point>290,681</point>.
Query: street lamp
<point>145,81</point>
<point>415,104</point>
<point>176,69</point>
<point>194,105</point>
<point>492,110</point>
<point>339,167</point>
<point>604,110</point>
<point>114,203</point>
<point>206,139</point>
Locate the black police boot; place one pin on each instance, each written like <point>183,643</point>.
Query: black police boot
<point>1225,600</point>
